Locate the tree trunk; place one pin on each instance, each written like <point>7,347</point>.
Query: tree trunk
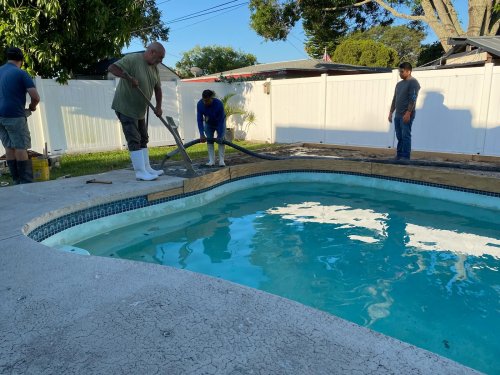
<point>478,17</point>
<point>442,18</point>
<point>431,17</point>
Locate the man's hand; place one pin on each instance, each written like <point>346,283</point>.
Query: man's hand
<point>220,140</point>
<point>134,82</point>
<point>32,107</point>
<point>158,111</point>
<point>406,117</point>
<point>203,139</point>
<point>390,117</point>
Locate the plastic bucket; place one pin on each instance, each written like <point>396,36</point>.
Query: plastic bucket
<point>40,169</point>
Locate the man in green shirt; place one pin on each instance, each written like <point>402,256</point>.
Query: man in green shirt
<point>138,70</point>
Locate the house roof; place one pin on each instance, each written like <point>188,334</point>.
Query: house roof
<point>297,66</point>
<point>489,44</point>
<point>459,56</point>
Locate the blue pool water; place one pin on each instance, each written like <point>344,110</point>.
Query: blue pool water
<point>425,271</point>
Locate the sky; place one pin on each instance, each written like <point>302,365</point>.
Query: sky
<point>229,25</point>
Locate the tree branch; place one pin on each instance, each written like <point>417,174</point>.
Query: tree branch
<point>445,17</point>
<point>454,17</point>
<point>395,13</point>
<point>433,21</point>
<point>477,12</point>
<point>349,6</point>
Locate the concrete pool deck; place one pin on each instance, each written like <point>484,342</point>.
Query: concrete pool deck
<point>63,313</point>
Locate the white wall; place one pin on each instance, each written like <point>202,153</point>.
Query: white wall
<point>357,109</point>
<point>458,111</point>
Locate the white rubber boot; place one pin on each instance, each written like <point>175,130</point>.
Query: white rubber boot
<point>147,166</point>
<point>222,152</point>
<point>137,158</point>
<point>211,155</point>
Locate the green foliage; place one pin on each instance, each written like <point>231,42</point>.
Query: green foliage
<point>255,77</point>
<point>324,21</point>
<point>87,164</point>
<point>365,53</point>
<point>231,109</point>
<point>430,52</point>
<point>213,59</point>
<point>406,41</point>
<point>59,37</point>
<point>273,19</point>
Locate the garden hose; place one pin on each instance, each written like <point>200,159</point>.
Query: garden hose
<point>419,163</point>
<point>239,148</point>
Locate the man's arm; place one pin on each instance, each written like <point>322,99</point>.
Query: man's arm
<point>393,107</point>
<point>412,101</point>
<point>199,119</point>
<point>35,98</point>
<point>412,96</point>
<point>119,72</point>
<point>158,97</point>
<point>220,118</point>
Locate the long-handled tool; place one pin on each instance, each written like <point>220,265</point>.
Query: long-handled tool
<point>173,129</point>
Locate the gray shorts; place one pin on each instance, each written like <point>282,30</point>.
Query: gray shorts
<point>14,133</point>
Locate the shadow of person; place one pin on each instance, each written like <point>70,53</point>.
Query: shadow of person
<point>438,128</point>
<point>216,244</point>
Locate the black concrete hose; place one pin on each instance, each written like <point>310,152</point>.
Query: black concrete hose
<point>421,163</point>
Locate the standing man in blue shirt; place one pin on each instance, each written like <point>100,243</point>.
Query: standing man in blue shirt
<point>403,103</point>
<point>212,118</point>
<point>14,131</point>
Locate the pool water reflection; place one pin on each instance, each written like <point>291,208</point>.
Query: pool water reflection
<point>422,270</point>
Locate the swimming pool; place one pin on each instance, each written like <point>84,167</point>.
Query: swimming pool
<point>418,269</point>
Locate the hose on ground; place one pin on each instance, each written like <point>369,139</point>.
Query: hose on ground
<point>422,163</point>
<point>230,144</point>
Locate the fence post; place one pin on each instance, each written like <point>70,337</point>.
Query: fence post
<point>40,118</point>
<point>269,92</point>
<point>484,108</point>
<point>324,94</point>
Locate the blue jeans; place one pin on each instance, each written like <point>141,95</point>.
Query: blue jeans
<point>403,135</point>
<point>210,132</point>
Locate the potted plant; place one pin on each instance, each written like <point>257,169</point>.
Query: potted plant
<point>229,110</point>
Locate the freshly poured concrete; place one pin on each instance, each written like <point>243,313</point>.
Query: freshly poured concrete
<point>64,313</point>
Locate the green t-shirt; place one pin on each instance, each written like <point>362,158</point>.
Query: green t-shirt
<point>128,100</point>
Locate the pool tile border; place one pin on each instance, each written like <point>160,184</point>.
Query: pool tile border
<point>211,181</point>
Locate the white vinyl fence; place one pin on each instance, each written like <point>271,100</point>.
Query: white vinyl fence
<point>458,111</point>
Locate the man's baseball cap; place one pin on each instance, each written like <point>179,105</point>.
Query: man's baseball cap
<point>14,53</point>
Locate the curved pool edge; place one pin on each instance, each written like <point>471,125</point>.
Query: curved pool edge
<point>480,187</point>
<point>105,315</point>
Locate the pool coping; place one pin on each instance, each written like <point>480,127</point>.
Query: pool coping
<point>51,223</point>
<point>67,313</point>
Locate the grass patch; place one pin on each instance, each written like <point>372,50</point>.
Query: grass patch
<point>100,162</point>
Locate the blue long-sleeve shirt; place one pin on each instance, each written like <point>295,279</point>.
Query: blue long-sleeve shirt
<point>213,115</point>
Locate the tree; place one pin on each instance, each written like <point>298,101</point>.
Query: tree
<point>59,37</point>
<point>406,41</point>
<point>213,59</point>
<point>440,15</point>
<point>365,53</point>
<point>429,53</point>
